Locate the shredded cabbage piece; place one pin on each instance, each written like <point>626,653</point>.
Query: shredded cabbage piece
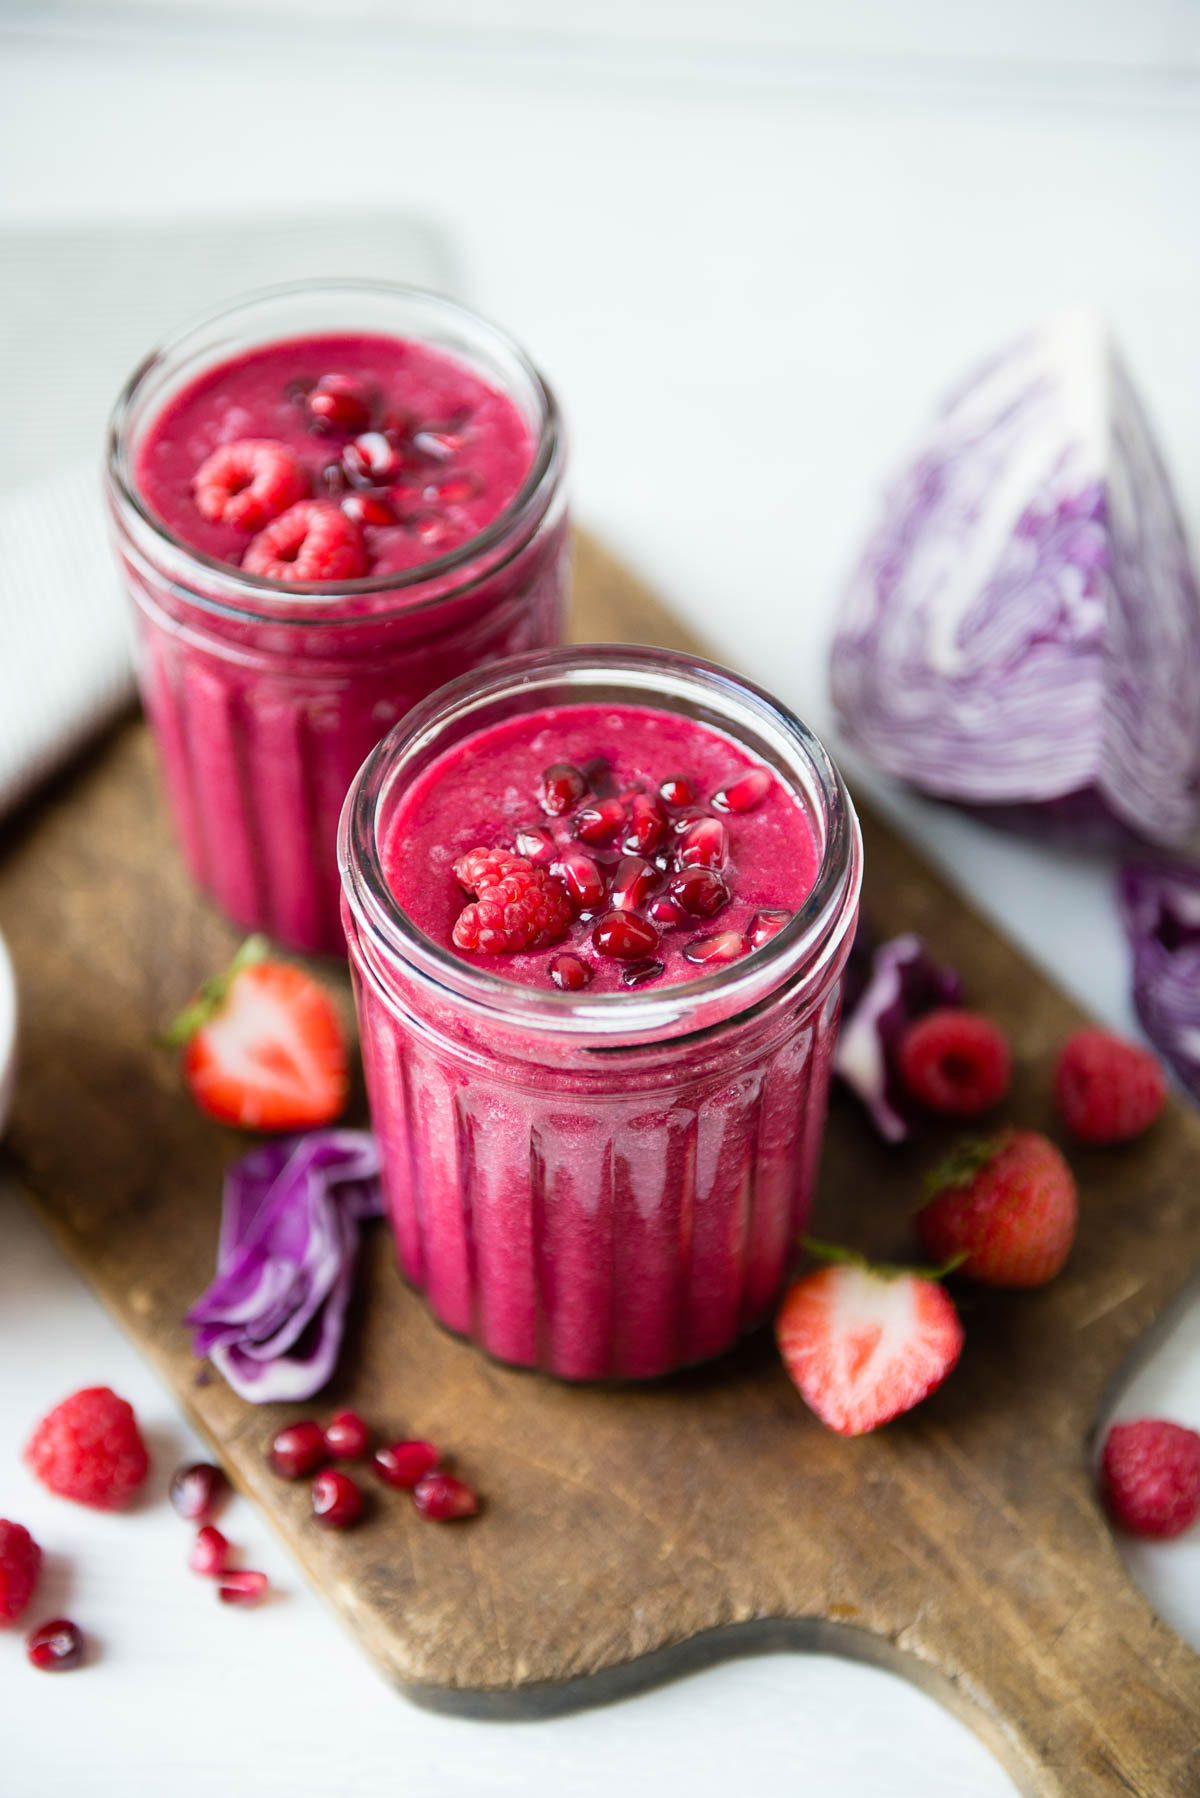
<point>1160,909</point>
<point>902,984</point>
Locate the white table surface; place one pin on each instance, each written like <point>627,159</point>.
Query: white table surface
<point>748,284</point>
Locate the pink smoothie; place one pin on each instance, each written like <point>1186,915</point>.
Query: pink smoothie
<point>610,1205</point>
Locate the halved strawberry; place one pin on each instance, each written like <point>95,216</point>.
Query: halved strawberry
<point>865,1343</point>
<point>263,1046</point>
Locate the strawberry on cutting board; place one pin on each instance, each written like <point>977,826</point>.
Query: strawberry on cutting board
<point>865,1343</point>
<point>263,1046</point>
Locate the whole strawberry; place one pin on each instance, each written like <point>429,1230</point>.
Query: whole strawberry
<point>1108,1090</point>
<point>90,1449</point>
<point>1006,1207</point>
<point>864,1343</point>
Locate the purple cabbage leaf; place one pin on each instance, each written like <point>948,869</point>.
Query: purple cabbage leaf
<point>1022,633</point>
<point>272,1320</point>
<point>903,983</point>
<point>1160,909</point>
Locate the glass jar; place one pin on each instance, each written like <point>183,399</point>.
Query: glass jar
<point>264,696</point>
<point>605,1186</point>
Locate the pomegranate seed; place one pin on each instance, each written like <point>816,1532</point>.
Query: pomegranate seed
<point>637,973</point>
<point>346,1436</point>
<point>628,938</point>
<point>398,425</point>
<point>563,786</point>
<point>647,826</point>
<point>582,878</point>
<point>744,793</point>
<point>198,1491</point>
<point>336,1500</point>
<point>298,1449</point>
<point>727,945</point>
<point>703,845</point>
<point>337,403</point>
<point>442,442</point>
<point>372,460</point>
<point>700,891</point>
<point>666,911</point>
<point>368,508</point>
<point>600,822</point>
<point>405,1464</point>
<point>767,923</point>
<point>435,533</point>
<point>297,390</point>
<point>441,1496</point>
<point>570,973</point>
<point>694,814</point>
<point>453,489</point>
<point>243,1587</point>
<point>210,1552</point>
<point>333,479</point>
<point>599,776</point>
<point>55,1647</point>
<point>677,789</point>
<point>633,883</point>
<point>536,844</point>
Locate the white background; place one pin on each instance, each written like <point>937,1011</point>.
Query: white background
<point>749,246</point>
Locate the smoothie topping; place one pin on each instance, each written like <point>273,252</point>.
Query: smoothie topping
<point>626,936</point>
<point>311,541</point>
<point>248,483</point>
<point>518,906</point>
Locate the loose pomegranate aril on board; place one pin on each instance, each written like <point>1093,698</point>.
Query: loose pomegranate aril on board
<point>767,923</point>
<point>700,891</point>
<point>536,844</point>
<point>198,1491</point>
<point>678,790</point>
<point>346,1436</point>
<point>625,936</point>
<point>368,508</point>
<point>633,883</point>
<point>563,786</point>
<point>210,1552</point>
<point>703,845</point>
<point>338,403</point>
<point>298,1449</point>
<point>336,1500</point>
<point>405,1464</point>
<point>745,792</point>
<point>647,825</point>
<point>583,880</point>
<point>55,1647</point>
<point>244,1587</point>
<point>637,973</point>
<point>726,945</point>
<point>442,1497</point>
<point>600,822</point>
<point>570,973</point>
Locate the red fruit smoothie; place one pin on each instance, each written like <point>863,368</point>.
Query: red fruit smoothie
<point>604,1178</point>
<point>317,531</point>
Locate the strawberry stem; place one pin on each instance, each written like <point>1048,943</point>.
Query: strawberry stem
<point>211,996</point>
<point>966,1159</point>
<point>883,1270</point>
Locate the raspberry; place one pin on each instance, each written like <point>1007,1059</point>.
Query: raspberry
<point>518,906</point>
<point>955,1062</point>
<point>1150,1475</point>
<point>90,1449</point>
<point>1107,1089</point>
<point>248,483</point>
<point>1008,1208</point>
<point>312,541</point>
<point>20,1564</point>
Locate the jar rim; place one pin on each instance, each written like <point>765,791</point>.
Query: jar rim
<point>655,678</point>
<point>261,598</point>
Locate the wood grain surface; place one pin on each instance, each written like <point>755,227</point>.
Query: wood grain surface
<point>631,1533</point>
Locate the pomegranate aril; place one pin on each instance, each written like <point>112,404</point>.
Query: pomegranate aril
<point>700,891</point>
<point>637,973</point>
<point>336,1500</point>
<point>767,923</point>
<point>433,532</point>
<point>244,1587</point>
<point>443,441</point>
<point>453,489</point>
<point>297,1449</point>
<point>625,936</point>
<point>441,1496</point>
<point>665,911</point>
<point>647,826</point>
<point>570,973</point>
<point>338,403</point>
<point>405,1464</point>
<point>583,880</point>
<point>634,882</point>
<point>368,508</point>
<point>210,1552</point>
<point>536,844</point>
<point>599,776</point>
<point>198,1491</point>
<point>600,822</point>
<point>346,1436</point>
<point>333,479</point>
<point>55,1647</point>
<point>745,792</point>
<point>685,820</point>
<point>703,845</point>
<point>677,789</point>
<point>726,945</point>
<point>563,786</point>
<point>372,460</point>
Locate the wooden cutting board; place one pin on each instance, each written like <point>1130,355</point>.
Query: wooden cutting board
<point>630,1534</point>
